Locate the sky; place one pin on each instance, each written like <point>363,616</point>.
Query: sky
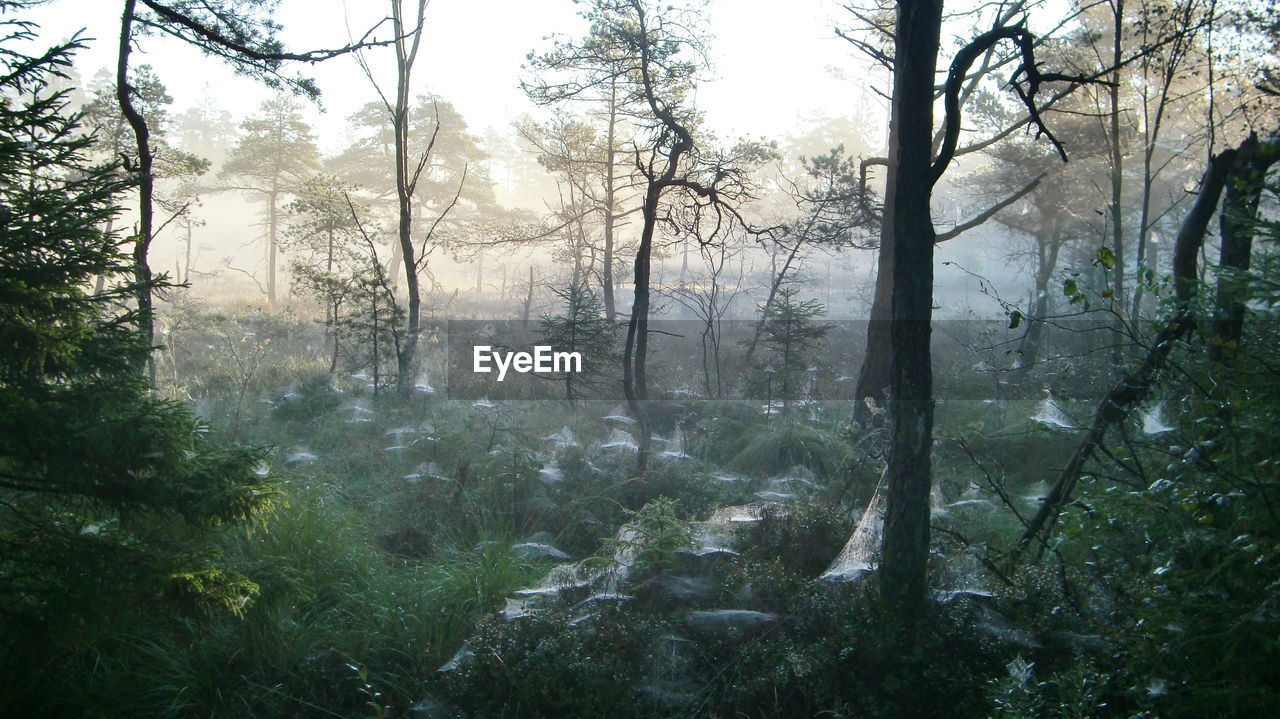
<point>774,64</point>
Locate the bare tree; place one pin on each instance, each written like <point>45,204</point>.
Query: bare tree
<point>409,168</point>
<point>709,295</point>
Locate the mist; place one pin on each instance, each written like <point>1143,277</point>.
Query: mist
<point>621,358</point>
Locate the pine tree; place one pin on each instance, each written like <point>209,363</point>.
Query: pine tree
<point>271,161</point>
<point>106,490</point>
<point>790,335</point>
<point>585,329</point>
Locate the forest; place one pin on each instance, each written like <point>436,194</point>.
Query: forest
<point>953,403</point>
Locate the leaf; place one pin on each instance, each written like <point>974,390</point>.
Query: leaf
<point>1108,293</point>
<point>1015,319</point>
<point>1107,257</point>
<point>1070,289</point>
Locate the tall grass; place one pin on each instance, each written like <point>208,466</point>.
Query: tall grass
<point>337,620</point>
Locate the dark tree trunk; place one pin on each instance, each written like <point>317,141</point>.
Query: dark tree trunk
<point>634,384</point>
<point>873,378</point>
<point>1117,172</point>
<point>910,184</point>
<point>610,202</point>
<point>408,351</point>
<point>406,354</point>
<point>1240,209</point>
<point>146,181</point>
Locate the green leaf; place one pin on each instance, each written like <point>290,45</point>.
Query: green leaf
<point>1070,289</point>
<point>1015,319</point>
<point>1107,257</point>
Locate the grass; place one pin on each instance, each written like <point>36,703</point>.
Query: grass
<point>332,607</point>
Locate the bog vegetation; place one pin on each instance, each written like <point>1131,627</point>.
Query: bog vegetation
<point>1039,482</point>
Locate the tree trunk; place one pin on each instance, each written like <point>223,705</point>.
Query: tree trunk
<point>873,377</point>
<point>635,387</point>
<point>1048,263</point>
<point>903,580</point>
<point>273,220</point>
<point>609,204</point>
<point>146,183</point>
<point>406,355</point>
<point>1117,166</point>
<point>1240,209</point>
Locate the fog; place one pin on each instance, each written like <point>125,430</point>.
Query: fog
<point>625,358</point>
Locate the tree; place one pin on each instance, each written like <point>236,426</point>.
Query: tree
<point>874,374</point>
<point>1171,84</point>
<point>1237,226</point>
<point>323,237</point>
<point>452,198</point>
<point>336,262</point>
<point>412,160</point>
<point>272,159</point>
<point>1048,216</point>
<point>650,56</point>
<point>176,168</point>
<point>790,336</point>
<point>909,236</point>
<point>1237,166</point>
<point>241,32</point>
<point>454,152</point>
<point>909,227</point>
<point>105,490</point>
<point>206,129</point>
<point>569,149</point>
<point>582,328</point>
<point>603,175</point>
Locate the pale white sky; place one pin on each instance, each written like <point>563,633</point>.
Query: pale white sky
<point>771,59</point>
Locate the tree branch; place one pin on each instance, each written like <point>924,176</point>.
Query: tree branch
<point>989,212</point>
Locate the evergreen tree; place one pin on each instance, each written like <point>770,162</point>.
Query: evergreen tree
<point>585,329</point>
<point>790,335</point>
<point>272,159</point>
<point>106,491</point>
<point>330,257</point>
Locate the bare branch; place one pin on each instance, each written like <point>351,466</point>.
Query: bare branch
<point>989,212</point>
